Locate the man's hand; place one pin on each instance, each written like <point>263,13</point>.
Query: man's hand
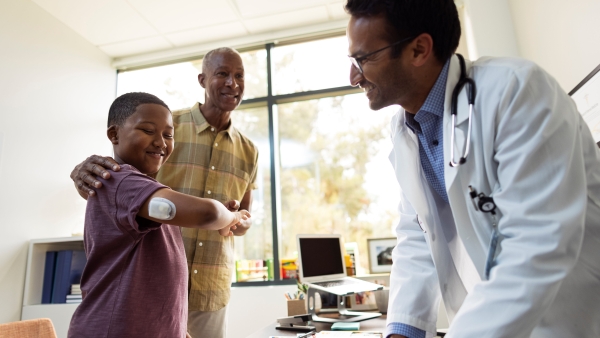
<point>243,225</point>
<point>84,174</point>
<point>240,216</point>
<point>232,205</point>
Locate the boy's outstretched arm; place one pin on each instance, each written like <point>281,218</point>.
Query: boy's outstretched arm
<point>85,173</point>
<point>196,212</point>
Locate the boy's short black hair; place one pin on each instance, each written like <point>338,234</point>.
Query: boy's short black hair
<point>410,18</point>
<point>125,105</point>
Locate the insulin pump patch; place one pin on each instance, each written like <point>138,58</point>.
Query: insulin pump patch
<point>161,208</point>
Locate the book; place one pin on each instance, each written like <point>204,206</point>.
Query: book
<point>75,289</point>
<point>78,262</point>
<point>339,326</point>
<point>68,270</point>
<point>61,285</point>
<point>48,277</point>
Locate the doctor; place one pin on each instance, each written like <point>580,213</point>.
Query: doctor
<point>509,239</point>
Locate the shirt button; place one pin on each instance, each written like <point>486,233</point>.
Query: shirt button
<point>213,167</point>
<point>208,192</point>
<point>212,129</point>
<point>200,244</point>
<point>216,144</point>
<point>435,142</point>
<point>195,271</point>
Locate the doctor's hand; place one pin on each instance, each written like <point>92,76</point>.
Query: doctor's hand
<point>84,174</point>
<point>397,336</point>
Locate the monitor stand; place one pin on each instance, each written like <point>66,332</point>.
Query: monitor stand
<point>351,316</point>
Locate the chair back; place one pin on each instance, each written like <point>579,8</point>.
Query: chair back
<point>32,328</point>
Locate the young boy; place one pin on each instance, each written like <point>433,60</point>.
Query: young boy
<point>135,282</point>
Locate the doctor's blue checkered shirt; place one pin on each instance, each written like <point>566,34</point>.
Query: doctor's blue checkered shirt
<point>427,123</point>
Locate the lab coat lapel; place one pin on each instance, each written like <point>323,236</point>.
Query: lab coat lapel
<point>406,161</point>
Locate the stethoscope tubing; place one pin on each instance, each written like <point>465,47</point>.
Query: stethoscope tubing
<point>471,93</point>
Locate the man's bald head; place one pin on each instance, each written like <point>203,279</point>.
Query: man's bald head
<point>208,60</point>
<point>222,78</point>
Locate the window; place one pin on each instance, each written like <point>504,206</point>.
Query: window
<point>323,163</point>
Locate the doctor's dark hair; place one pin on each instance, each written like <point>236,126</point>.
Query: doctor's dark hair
<point>438,18</point>
<point>125,105</point>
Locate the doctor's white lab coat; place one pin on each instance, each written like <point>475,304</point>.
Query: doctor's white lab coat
<point>531,152</point>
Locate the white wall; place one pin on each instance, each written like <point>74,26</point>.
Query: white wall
<point>561,36</point>
<point>55,90</point>
<point>252,308</point>
<point>489,29</point>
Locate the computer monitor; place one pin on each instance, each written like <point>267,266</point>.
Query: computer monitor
<point>320,257</point>
<point>587,98</point>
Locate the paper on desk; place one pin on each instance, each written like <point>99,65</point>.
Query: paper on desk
<point>348,334</point>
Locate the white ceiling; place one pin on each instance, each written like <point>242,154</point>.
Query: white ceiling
<point>122,28</point>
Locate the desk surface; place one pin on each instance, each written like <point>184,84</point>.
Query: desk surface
<point>375,324</point>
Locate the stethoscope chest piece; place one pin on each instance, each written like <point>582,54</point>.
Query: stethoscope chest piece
<point>486,203</point>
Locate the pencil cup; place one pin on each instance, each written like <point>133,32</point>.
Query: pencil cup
<point>296,307</point>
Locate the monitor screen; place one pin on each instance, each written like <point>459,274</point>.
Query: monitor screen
<point>321,256</point>
<point>587,98</point>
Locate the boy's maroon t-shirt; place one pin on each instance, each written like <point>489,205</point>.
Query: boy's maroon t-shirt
<point>135,281</point>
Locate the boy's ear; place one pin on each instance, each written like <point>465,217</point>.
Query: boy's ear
<point>113,134</point>
<point>201,79</point>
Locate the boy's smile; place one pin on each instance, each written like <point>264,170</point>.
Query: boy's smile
<point>145,140</point>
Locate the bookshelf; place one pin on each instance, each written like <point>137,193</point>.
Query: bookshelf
<point>60,314</point>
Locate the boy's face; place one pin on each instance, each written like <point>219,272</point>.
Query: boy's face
<point>145,140</point>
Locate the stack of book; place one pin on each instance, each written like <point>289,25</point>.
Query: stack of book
<point>62,269</point>
<point>251,270</point>
<point>75,295</point>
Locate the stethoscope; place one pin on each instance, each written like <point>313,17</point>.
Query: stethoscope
<point>481,202</point>
<point>472,91</point>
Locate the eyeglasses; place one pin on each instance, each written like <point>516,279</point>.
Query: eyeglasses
<point>357,61</point>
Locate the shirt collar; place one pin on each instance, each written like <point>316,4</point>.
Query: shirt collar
<point>434,104</point>
<point>202,124</point>
<point>435,100</point>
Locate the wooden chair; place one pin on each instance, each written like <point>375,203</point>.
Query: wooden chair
<point>33,328</point>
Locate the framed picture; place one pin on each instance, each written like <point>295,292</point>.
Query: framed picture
<point>363,301</point>
<point>380,254</point>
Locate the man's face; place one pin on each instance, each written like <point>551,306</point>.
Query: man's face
<point>223,81</point>
<point>145,140</point>
<point>385,80</point>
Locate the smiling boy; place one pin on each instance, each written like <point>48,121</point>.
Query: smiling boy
<point>135,282</point>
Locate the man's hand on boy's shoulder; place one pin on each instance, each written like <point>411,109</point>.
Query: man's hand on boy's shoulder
<point>84,174</point>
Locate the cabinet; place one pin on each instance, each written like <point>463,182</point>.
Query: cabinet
<point>60,314</point>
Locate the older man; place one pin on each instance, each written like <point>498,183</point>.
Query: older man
<point>211,159</point>
<point>500,210</point>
